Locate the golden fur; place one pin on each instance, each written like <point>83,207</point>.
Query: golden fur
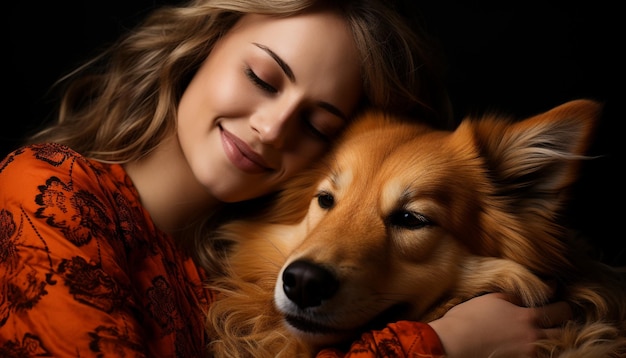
<point>403,221</point>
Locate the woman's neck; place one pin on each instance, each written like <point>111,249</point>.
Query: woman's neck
<point>168,189</point>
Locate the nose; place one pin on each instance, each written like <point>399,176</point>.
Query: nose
<point>274,124</point>
<point>308,284</point>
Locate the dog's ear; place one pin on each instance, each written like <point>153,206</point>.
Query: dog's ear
<point>532,164</point>
<point>539,157</point>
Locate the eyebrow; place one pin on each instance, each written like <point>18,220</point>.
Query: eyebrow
<point>292,78</point>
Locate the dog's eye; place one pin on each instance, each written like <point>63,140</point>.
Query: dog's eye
<point>325,200</point>
<point>408,220</point>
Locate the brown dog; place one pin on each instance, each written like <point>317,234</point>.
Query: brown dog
<point>403,221</point>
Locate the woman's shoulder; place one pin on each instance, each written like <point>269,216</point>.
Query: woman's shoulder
<point>50,164</point>
<point>44,156</point>
<point>56,187</point>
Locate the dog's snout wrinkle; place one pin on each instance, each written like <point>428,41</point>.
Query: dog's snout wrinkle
<point>308,284</point>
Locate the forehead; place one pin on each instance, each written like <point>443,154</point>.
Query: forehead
<point>297,37</point>
<point>317,45</point>
<point>296,29</point>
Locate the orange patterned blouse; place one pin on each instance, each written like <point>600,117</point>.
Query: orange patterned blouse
<point>84,272</point>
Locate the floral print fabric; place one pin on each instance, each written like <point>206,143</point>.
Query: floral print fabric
<point>83,270</point>
<point>402,339</point>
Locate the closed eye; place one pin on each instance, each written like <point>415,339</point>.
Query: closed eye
<point>318,128</point>
<point>259,82</point>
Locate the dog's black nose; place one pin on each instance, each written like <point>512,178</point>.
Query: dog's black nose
<point>307,284</point>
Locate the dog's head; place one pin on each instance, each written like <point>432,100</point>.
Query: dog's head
<point>400,206</point>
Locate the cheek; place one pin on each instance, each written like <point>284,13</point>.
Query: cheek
<point>215,92</point>
<point>227,90</point>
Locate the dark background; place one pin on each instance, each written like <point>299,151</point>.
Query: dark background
<point>520,58</point>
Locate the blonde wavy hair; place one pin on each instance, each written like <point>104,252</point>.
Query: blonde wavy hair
<point>121,104</point>
<point>118,106</point>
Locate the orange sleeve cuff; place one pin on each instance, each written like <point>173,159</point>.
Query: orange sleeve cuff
<point>400,339</point>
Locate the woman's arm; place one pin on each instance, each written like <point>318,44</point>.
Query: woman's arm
<point>62,292</point>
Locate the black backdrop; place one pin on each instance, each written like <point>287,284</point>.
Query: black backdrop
<point>519,58</point>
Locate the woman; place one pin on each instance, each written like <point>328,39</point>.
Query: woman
<point>203,110</point>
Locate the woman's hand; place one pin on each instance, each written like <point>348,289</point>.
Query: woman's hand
<point>493,325</point>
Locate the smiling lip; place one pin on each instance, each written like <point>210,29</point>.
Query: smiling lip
<point>241,155</point>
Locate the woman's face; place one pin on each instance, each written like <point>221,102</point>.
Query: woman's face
<point>268,100</point>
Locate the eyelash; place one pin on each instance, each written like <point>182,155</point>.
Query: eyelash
<point>259,82</point>
<point>316,132</point>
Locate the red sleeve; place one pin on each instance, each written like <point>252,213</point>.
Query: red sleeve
<point>400,339</point>
<point>48,256</point>
<point>83,272</point>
